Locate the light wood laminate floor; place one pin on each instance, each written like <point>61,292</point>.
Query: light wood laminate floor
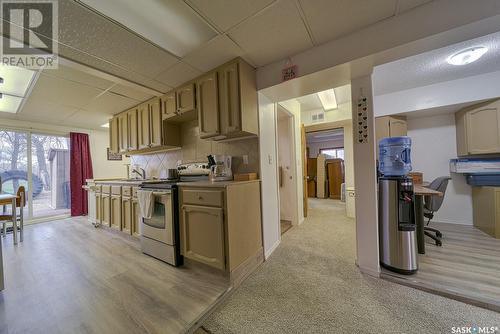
<point>466,267</point>
<point>68,277</point>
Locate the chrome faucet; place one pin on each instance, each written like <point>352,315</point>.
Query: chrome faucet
<point>142,175</point>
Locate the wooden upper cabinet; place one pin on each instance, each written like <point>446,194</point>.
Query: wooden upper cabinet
<point>478,129</point>
<point>398,127</point>
<point>229,92</point>
<point>208,105</point>
<point>143,124</point>
<point>155,120</point>
<point>168,105</point>
<point>113,135</point>
<point>123,142</point>
<point>185,98</point>
<point>133,135</point>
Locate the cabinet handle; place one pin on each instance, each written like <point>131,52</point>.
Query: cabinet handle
<point>200,198</point>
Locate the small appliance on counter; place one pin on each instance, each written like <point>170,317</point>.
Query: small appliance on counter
<point>396,216</point>
<point>220,167</point>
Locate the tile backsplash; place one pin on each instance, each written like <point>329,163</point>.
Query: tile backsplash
<point>195,149</point>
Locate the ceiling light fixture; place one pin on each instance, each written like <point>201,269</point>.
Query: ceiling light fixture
<point>105,125</point>
<point>328,99</point>
<point>467,56</point>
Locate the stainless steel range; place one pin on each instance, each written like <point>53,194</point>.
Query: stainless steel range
<point>160,236</point>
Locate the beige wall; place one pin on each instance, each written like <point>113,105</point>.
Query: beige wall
<point>195,149</point>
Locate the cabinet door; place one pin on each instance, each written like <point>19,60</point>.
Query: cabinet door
<point>106,210</point>
<point>185,98</point>
<point>483,130</point>
<point>208,105</point>
<point>397,127</point>
<point>143,125</point>
<point>230,104</point>
<point>126,215</point>
<point>116,212</point>
<point>133,137</point>
<point>135,217</point>
<point>202,237</point>
<point>113,135</point>
<point>155,120</point>
<point>168,105</point>
<point>97,204</point>
<point>123,131</point>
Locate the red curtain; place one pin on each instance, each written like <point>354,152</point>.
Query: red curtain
<point>80,170</point>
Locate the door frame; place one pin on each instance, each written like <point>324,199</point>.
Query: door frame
<point>293,168</point>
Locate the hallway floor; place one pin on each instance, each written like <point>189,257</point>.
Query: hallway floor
<point>311,285</point>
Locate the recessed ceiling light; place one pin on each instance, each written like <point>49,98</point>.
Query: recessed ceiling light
<point>328,99</point>
<point>105,125</point>
<point>467,56</point>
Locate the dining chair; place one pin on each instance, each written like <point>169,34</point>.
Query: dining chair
<point>5,218</point>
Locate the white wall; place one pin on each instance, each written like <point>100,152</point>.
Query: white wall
<point>268,175</point>
<point>433,145</point>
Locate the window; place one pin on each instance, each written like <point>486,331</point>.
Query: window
<point>333,153</point>
<point>41,164</point>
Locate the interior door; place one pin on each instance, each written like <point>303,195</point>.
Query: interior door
<point>230,103</point>
<point>304,167</point>
<point>335,169</point>
<point>208,105</point>
<point>155,120</point>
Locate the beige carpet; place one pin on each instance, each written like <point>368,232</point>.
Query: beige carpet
<point>311,285</point>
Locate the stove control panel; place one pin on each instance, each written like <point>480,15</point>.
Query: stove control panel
<point>195,168</point>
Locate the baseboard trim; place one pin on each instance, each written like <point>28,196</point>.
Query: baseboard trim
<point>268,253</point>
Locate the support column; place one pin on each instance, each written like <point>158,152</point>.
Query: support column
<point>365,177</point>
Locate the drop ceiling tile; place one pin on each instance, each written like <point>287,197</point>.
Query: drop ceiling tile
<point>110,104</point>
<point>63,92</point>
<point>405,5</point>
<point>265,38</point>
<point>39,109</point>
<point>130,92</point>
<point>83,29</point>
<point>329,20</point>
<point>216,52</point>
<point>86,119</point>
<point>227,13</point>
<point>178,74</point>
<point>68,73</point>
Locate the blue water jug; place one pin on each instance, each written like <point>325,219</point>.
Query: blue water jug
<point>394,156</point>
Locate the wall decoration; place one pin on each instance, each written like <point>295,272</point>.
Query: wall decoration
<point>114,156</point>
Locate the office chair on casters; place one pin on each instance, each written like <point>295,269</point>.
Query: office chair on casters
<point>432,204</point>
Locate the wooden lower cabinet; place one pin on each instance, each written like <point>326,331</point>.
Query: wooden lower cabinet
<point>486,210</point>
<point>135,221</point>
<point>116,212</point>
<point>202,230</point>
<point>106,209</point>
<point>98,205</point>
<point>126,215</point>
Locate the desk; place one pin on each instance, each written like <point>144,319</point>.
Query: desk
<point>420,191</point>
<point>8,199</point>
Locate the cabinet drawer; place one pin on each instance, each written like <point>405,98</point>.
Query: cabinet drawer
<point>106,189</point>
<point>116,190</point>
<point>202,197</point>
<point>127,191</point>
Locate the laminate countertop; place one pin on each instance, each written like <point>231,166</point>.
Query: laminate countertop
<point>215,184</point>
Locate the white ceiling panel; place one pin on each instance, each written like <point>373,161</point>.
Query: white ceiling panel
<point>332,19</point>
<point>178,74</point>
<point>310,102</point>
<point>68,73</point>
<point>110,104</point>
<point>63,92</point>
<point>38,109</point>
<point>272,34</point>
<point>86,119</point>
<point>16,80</point>
<point>227,13</point>
<point>216,52</point>
<point>130,92</point>
<point>170,24</point>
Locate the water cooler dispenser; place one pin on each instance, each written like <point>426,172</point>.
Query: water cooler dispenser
<point>397,229</point>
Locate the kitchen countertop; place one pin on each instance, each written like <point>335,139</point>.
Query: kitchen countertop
<point>216,184</point>
<point>116,181</point>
